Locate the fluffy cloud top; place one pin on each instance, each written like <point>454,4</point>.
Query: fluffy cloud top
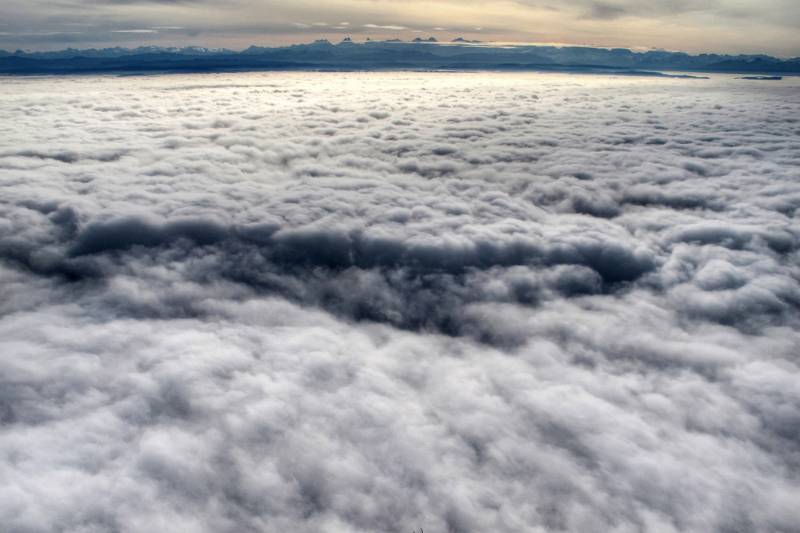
<point>379,302</point>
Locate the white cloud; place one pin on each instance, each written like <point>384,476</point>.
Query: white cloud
<point>379,302</point>
<point>135,31</point>
<point>387,27</point>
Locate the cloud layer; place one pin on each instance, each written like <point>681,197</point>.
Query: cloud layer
<point>379,302</point>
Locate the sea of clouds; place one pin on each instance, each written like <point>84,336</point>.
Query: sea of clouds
<point>321,302</point>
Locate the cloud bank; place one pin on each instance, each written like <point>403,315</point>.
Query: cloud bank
<point>380,302</point>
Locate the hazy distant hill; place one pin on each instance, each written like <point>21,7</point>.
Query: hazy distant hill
<point>376,55</point>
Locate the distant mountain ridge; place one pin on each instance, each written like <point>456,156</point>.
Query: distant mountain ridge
<point>421,53</point>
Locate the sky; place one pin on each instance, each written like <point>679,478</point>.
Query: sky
<point>728,26</point>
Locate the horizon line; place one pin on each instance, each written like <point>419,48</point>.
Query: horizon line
<point>417,41</point>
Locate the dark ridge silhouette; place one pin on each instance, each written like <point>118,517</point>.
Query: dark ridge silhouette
<point>422,53</point>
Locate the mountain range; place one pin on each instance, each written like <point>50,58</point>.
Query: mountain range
<point>420,54</point>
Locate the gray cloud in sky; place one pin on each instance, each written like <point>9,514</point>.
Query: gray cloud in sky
<point>379,302</point>
<point>768,26</point>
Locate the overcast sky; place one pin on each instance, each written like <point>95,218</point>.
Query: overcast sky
<point>752,26</point>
